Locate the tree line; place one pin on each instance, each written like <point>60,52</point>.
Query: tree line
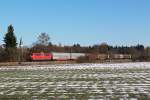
<point>13,51</point>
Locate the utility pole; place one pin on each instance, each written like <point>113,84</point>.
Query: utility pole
<point>70,53</point>
<point>20,51</point>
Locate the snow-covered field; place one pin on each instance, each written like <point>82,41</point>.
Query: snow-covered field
<point>120,81</point>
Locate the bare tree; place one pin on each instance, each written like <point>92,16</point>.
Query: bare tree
<point>43,39</point>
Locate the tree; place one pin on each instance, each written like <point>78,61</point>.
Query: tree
<point>103,48</point>
<point>43,39</point>
<point>10,39</point>
<point>140,47</point>
<point>42,44</point>
<point>10,45</point>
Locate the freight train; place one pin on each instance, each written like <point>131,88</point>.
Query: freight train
<point>55,56</point>
<point>74,56</point>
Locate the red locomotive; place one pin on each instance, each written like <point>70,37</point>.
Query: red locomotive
<point>41,56</point>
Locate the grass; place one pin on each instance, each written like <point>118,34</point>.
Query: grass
<point>74,84</point>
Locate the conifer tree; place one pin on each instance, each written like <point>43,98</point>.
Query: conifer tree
<point>10,44</point>
<point>10,39</point>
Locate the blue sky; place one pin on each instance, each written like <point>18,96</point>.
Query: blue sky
<point>88,22</point>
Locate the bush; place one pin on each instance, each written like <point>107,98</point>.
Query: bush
<point>86,59</point>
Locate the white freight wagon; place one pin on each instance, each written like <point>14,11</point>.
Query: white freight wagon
<point>66,56</point>
<point>76,55</point>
